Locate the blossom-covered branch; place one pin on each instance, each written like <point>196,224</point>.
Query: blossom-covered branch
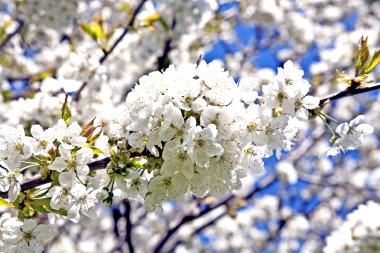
<point>38,181</point>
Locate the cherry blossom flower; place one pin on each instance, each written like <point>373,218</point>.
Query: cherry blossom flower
<point>43,139</point>
<point>69,136</point>
<point>11,178</point>
<point>13,142</point>
<point>70,165</point>
<point>29,236</point>
<point>351,136</point>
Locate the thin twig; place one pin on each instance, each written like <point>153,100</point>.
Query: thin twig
<point>188,218</point>
<point>115,44</point>
<point>346,93</point>
<point>97,165</point>
<point>263,185</point>
<point>11,35</point>
<point>162,60</point>
<point>128,232</point>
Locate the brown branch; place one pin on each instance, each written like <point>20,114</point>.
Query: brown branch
<point>188,218</point>
<point>11,35</point>
<point>346,93</point>
<point>115,44</point>
<point>128,226</point>
<point>126,29</point>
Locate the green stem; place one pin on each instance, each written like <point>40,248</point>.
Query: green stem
<point>329,117</point>
<point>31,163</point>
<point>328,126</point>
<point>29,166</point>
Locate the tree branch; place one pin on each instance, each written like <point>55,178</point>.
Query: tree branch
<point>128,232</point>
<point>11,35</point>
<point>263,185</point>
<point>97,165</point>
<point>346,93</point>
<point>163,59</point>
<point>126,29</point>
<point>115,44</point>
<point>188,218</point>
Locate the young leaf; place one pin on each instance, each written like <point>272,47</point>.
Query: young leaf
<point>371,65</point>
<point>39,208</point>
<point>3,202</point>
<point>88,129</point>
<point>88,30</point>
<point>362,57</point>
<point>98,30</point>
<point>65,111</point>
<point>96,151</point>
<point>43,206</point>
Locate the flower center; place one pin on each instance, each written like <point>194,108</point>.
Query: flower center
<point>251,126</point>
<point>43,143</point>
<point>66,138</point>
<point>201,143</point>
<point>298,104</point>
<point>71,165</point>
<point>28,236</point>
<point>280,96</point>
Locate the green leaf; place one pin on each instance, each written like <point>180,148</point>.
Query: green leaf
<point>65,111</point>
<point>43,206</point>
<point>95,30</point>
<point>98,30</point>
<point>371,65</point>
<point>96,151</point>
<point>39,208</point>
<point>164,24</point>
<point>3,202</point>
<point>88,30</point>
<point>21,216</point>
<point>362,57</point>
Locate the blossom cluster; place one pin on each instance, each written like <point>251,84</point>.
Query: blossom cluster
<point>208,129</point>
<point>189,130</point>
<point>360,233</point>
<point>17,236</point>
<point>351,135</point>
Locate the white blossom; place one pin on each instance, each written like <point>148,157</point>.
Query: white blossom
<point>11,178</point>
<point>29,237</point>
<point>69,136</point>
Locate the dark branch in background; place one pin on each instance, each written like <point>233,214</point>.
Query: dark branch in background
<point>163,61</point>
<point>115,44</point>
<point>126,29</point>
<point>261,186</point>
<point>97,165</point>
<point>198,230</point>
<point>265,184</point>
<point>188,218</point>
<point>11,35</point>
<point>128,232</point>
<point>348,92</point>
